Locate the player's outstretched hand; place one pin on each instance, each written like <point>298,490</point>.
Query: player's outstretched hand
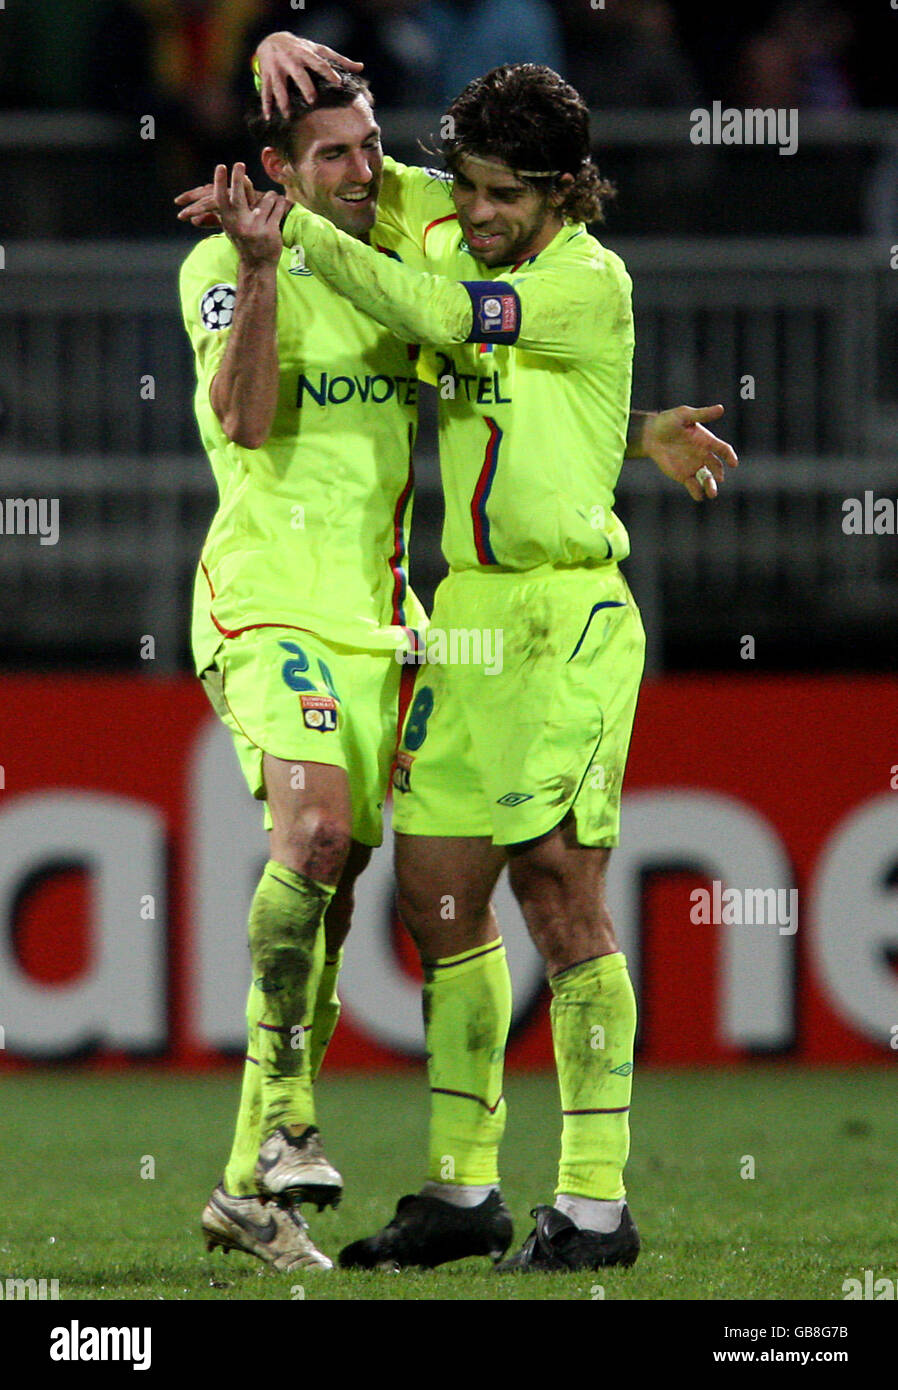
<point>284,55</point>
<point>682,448</point>
<point>198,204</point>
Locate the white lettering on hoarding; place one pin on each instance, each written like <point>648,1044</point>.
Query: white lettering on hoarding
<point>120,1000</point>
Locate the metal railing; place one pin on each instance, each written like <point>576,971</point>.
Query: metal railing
<point>84,327</point>
<point>794,337</point>
<point>770,557</point>
<point>82,174</point>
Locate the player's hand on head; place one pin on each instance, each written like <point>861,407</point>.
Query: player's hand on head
<point>198,205</point>
<point>251,220</point>
<point>283,55</point>
<point>682,447</point>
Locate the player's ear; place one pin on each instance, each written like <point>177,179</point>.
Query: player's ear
<point>276,166</point>
<point>561,190</point>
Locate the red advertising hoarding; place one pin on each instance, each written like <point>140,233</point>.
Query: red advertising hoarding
<point>129,848</point>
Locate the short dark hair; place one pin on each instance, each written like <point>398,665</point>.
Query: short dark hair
<point>279,131</point>
<point>528,117</point>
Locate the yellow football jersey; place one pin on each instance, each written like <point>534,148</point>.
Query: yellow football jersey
<point>311,530</point>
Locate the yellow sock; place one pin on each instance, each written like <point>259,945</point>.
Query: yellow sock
<point>467,1013</point>
<point>238,1175</point>
<point>286,937</point>
<point>593,1027</point>
<point>327,1013</point>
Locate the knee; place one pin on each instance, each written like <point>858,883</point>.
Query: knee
<point>315,843</point>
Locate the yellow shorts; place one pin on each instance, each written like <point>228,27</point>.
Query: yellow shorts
<point>527,709</point>
<point>297,697</point>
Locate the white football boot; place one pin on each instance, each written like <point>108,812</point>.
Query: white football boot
<point>278,1235</point>
<point>292,1167</point>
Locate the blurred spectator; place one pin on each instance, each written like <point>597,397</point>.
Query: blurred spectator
<point>422,52</point>
<point>798,59</point>
<point>766,73</point>
<point>184,55</point>
<point>627,55</point>
<point>630,55</point>
<point>473,36</point>
<point>390,37</point>
<point>180,61</point>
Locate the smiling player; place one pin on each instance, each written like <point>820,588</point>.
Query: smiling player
<point>307,410</point>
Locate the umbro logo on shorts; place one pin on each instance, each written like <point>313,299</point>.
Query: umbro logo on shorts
<point>514,798</point>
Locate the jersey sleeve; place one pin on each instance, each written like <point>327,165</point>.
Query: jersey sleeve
<point>416,306</point>
<point>208,289</point>
<point>572,312</point>
<point>560,311</point>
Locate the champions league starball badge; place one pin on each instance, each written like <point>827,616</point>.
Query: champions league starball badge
<point>217,307</point>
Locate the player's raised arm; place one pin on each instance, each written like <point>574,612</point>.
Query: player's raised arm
<point>415,305</point>
<point>553,314</point>
<point>244,391</point>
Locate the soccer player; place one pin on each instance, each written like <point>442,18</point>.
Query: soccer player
<point>307,409</point>
<point>527,328</point>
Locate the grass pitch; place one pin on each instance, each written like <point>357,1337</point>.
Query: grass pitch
<point>819,1209</point>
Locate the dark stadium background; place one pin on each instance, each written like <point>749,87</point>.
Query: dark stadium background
<point>745,262</point>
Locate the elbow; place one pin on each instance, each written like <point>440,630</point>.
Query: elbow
<point>241,427</point>
<point>245,435</point>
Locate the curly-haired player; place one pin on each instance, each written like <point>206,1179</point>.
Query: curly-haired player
<point>527,328</point>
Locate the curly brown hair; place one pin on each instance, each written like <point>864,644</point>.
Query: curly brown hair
<point>279,131</point>
<point>528,117</point>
